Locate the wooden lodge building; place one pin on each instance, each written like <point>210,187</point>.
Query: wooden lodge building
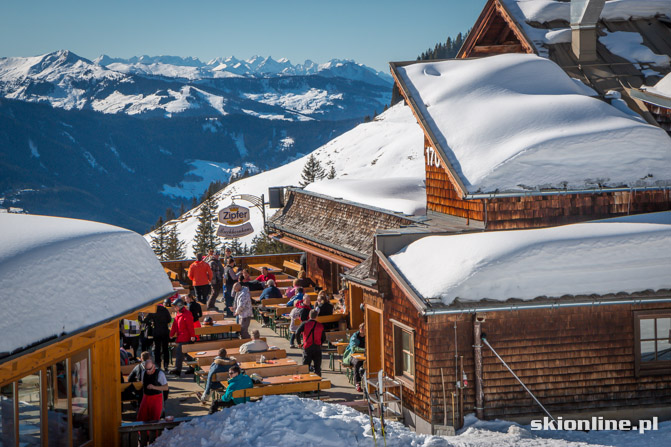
<point>602,352</point>
<point>67,284</point>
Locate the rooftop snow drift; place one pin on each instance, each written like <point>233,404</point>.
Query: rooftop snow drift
<point>630,254</point>
<point>517,123</point>
<point>68,274</point>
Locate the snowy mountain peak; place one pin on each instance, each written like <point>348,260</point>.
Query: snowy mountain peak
<point>105,60</point>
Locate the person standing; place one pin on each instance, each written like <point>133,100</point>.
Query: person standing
<point>130,331</point>
<point>217,282</point>
<point>200,275</point>
<point>313,336</point>
<point>182,329</point>
<point>154,384</point>
<point>242,308</point>
<point>230,278</point>
<point>160,322</point>
<point>195,310</point>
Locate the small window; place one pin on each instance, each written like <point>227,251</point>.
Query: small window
<point>404,352</point>
<point>653,342</point>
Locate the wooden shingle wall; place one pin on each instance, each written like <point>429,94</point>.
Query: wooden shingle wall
<point>572,359</point>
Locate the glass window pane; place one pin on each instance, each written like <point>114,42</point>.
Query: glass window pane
<point>57,404</point>
<point>80,399</point>
<point>408,366</point>
<point>406,341</point>
<point>648,329</point>
<point>663,350</point>
<point>647,351</point>
<point>29,410</point>
<point>7,416</point>
<point>664,328</point>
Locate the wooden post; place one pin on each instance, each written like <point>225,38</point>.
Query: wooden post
<point>477,350</point>
<point>461,393</point>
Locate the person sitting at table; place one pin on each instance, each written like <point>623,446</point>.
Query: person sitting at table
<point>305,306</point>
<point>323,306</point>
<point>304,281</point>
<point>271,291</point>
<point>248,282</point>
<point>221,364</point>
<point>296,298</point>
<point>293,290</point>
<point>357,344</point>
<point>237,381</point>
<point>265,275</point>
<point>256,345</point>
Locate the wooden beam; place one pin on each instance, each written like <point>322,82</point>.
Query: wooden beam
<point>498,49</point>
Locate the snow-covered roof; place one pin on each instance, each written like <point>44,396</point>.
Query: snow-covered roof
<point>662,88</point>
<point>517,123</point>
<point>630,254</point>
<point>64,275</point>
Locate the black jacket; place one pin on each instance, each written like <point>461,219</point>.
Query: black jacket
<point>195,310</point>
<point>160,322</point>
<point>326,309</point>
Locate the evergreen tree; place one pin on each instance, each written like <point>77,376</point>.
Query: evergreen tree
<point>262,244</point>
<point>182,209</point>
<point>169,214</point>
<point>206,232</point>
<point>175,248</point>
<point>312,171</point>
<point>194,203</point>
<point>236,247</point>
<point>159,241</point>
<point>332,173</point>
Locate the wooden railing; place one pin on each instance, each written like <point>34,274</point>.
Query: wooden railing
<point>129,433</point>
<point>180,267</point>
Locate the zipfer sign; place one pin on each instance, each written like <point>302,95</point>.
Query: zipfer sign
<point>233,215</point>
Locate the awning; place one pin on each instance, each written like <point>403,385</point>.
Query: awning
<point>341,260</point>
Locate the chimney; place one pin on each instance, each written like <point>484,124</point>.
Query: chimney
<point>584,17</point>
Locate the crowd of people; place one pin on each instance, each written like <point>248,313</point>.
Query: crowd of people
<point>211,277</point>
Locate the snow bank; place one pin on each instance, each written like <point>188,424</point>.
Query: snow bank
<point>389,147</point>
<point>67,274</point>
<point>630,255</point>
<point>401,194</point>
<point>293,422</point>
<point>517,122</point>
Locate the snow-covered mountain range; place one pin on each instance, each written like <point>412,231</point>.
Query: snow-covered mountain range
<point>119,141</point>
<point>380,163</point>
<point>168,86</point>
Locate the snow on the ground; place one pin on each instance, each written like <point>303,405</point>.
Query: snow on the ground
<point>629,45</point>
<point>389,147</point>
<point>601,257</point>
<point>307,102</point>
<point>202,173</point>
<point>63,275</point>
<point>290,421</point>
<point>543,11</point>
<point>517,122</point>
<point>401,194</point>
<point>663,87</point>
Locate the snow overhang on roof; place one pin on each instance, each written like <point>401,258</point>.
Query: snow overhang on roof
<point>602,262</point>
<point>66,275</point>
<point>516,124</point>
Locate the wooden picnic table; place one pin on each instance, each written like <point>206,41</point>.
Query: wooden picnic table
<point>258,267</point>
<point>292,378</point>
<point>212,353</point>
<point>359,356</point>
<point>276,362</point>
<point>219,327</point>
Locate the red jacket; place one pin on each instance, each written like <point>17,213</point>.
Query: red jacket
<point>313,333</point>
<point>200,273</point>
<point>266,277</point>
<point>182,327</point>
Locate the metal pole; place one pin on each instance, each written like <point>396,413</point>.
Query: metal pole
<point>477,350</point>
<point>484,339</point>
<point>263,210</point>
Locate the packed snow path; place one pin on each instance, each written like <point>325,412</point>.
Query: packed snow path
<point>290,421</point>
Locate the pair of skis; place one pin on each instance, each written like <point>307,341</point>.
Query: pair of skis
<point>379,395</point>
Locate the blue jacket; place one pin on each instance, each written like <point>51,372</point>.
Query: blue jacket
<point>297,297</point>
<point>219,365</point>
<point>271,292</point>
<point>239,382</point>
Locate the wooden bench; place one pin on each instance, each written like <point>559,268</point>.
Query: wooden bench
<point>298,386</point>
<point>218,344</point>
<point>217,329</point>
<point>270,371</point>
<point>258,267</point>
<point>335,318</point>
<point>292,267</point>
<point>269,355</point>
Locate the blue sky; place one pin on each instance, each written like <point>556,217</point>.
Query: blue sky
<point>371,32</point>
